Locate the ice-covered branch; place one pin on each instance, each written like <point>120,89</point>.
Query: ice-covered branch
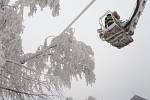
<point>30,94</point>
<point>71,58</point>
<point>53,64</point>
<point>33,5</point>
<point>19,64</point>
<point>25,59</point>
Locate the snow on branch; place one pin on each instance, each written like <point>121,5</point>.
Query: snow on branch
<point>20,65</point>
<point>29,94</point>
<point>67,58</point>
<point>27,58</point>
<point>71,58</point>
<point>51,67</point>
<point>33,5</point>
<point>12,73</point>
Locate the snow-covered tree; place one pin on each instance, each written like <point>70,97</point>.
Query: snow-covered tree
<point>34,4</point>
<point>69,98</point>
<point>53,65</point>
<point>91,98</point>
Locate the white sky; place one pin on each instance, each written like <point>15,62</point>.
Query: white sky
<point>119,73</point>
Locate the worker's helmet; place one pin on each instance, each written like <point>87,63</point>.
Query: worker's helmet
<point>108,14</point>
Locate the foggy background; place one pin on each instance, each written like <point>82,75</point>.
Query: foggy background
<point>119,73</point>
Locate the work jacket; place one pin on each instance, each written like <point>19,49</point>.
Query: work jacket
<point>108,20</point>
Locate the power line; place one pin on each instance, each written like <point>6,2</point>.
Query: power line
<point>79,15</point>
